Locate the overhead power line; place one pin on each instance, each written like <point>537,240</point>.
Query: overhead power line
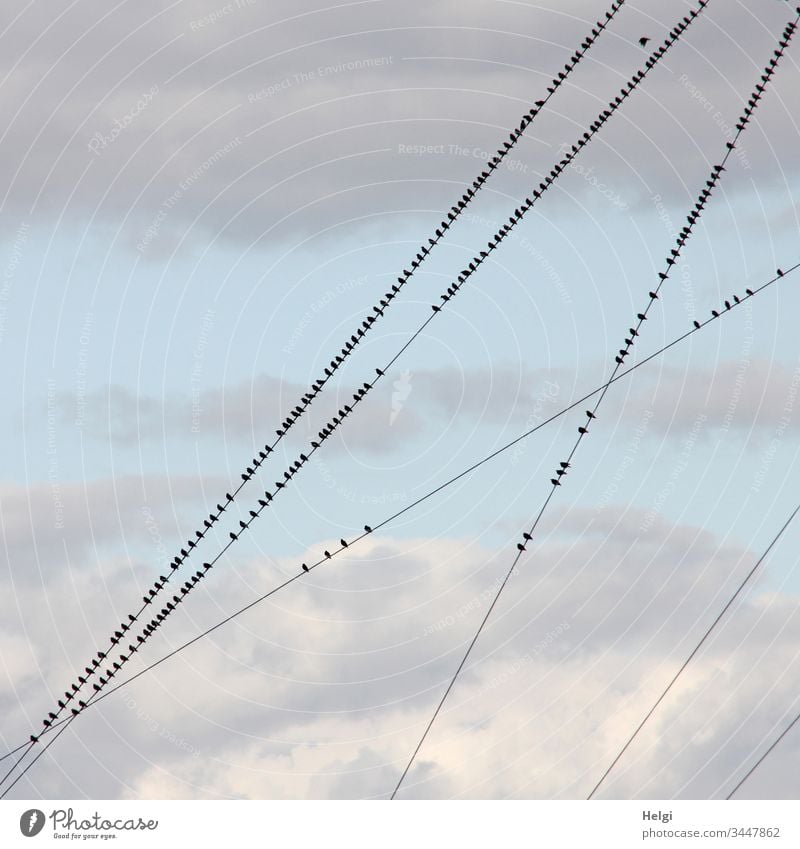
<point>369,529</point>
<point>327,431</point>
<point>766,754</point>
<point>95,664</point>
<point>583,430</point>
<point>693,653</point>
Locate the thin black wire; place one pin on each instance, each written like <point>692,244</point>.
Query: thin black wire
<point>764,756</point>
<point>674,35</point>
<point>694,651</point>
<point>328,429</point>
<point>476,262</point>
<point>408,507</point>
<point>355,339</point>
<point>693,217</point>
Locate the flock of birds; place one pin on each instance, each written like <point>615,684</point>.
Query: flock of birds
<point>101,670</point>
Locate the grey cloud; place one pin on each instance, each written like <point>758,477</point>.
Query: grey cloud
<point>181,151</point>
<point>321,691</point>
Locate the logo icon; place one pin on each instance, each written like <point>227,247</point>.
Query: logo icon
<point>31,822</point>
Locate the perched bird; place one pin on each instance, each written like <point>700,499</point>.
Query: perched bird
<point>590,414</point>
<point>555,481</point>
<point>327,554</point>
<point>343,542</point>
<point>520,546</point>
<point>697,324</point>
<point>715,313</point>
<point>643,41</point>
<point>582,430</point>
<point>367,529</point>
<point>34,739</point>
<point>749,291</point>
<point>305,568</point>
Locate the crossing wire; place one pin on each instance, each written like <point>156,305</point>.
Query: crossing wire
<point>317,386</point>
<point>685,233</point>
<point>694,652</point>
<point>763,757</point>
<point>371,529</point>
<point>328,429</point>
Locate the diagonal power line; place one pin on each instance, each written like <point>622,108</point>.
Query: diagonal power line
<point>359,396</point>
<point>737,302</point>
<point>763,757</point>
<point>95,664</point>
<point>583,431</point>
<point>694,652</point>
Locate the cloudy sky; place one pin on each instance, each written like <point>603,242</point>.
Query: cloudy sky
<point>201,202</point>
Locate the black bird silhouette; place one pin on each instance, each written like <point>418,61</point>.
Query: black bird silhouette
<point>34,739</point>
<point>715,313</point>
<point>555,482</point>
<point>520,546</point>
<point>736,299</point>
<point>643,41</point>
<point>749,291</point>
<point>327,554</point>
<point>368,529</point>
<point>697,324</point>
<point>590,414</point>
<point>305,568</point>
<point>344,544</point>
<point>582,430</point>
<point>727,305</point>
<point>780,273</point>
